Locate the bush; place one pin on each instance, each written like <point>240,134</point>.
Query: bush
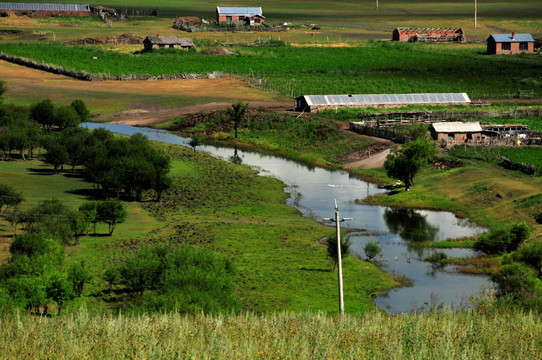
<point>517,281</point>
<point>372,250</point>
<point>438,256</point>
<point>502,239</point>
<point>538,217</point>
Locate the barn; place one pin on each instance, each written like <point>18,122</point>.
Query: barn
<point>167,41</point>
<point>242,15</point>
<point>46,10</point>
<point>510,43</point>
<point>429,35</point>
<point>315,103</point>
<point>456,132</point>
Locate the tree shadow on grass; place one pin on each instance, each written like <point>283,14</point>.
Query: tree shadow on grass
<point>40,171</point>
<point>90,194</point>
<point>317,270</point>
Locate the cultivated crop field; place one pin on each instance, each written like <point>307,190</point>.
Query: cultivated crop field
<point>374,67</point>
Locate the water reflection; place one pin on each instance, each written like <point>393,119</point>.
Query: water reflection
<point>235,158</point>
<point>410,225</point>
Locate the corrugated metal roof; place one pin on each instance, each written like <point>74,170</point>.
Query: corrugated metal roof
<point>500,38</point>
<point>44,7</point>
<point>457,127</point>
<point>249,11</point>
<point>413,31</point>
<point>386,99</point>
<point>170,40</point>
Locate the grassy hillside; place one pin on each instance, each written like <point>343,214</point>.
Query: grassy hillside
<point>435,335</point>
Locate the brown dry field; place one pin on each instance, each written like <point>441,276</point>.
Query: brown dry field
<point>105,98</point>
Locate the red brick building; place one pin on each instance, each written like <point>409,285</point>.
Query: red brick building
<point>510,43</point>
<point>46,10</point>
<point>428,35</point>
<point>242,15</point>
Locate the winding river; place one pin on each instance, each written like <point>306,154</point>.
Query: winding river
<point>312,191</point>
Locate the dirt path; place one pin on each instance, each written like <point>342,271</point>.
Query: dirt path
<point>369,158</point>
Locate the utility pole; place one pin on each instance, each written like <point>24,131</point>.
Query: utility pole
<point>475,11</point>
<point>339,260</point>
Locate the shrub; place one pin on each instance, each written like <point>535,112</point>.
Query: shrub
<point>438,256</point>
<point>538,217</point>
<point>502,239</point>
<point>517,281</point>
<point>372,250</point>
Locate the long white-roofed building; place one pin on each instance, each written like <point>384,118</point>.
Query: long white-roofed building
<point>315,103</point>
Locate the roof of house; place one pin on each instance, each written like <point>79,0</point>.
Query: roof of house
<point>44,7</point>
<point>386,99</point>
<point>169,40</point>
<point>235,10</point>
<point>457,127</point>
<point>500,38</point>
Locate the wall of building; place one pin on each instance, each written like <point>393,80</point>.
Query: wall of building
<point>496,48</point>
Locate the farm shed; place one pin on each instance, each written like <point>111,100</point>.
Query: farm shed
<point>510,43</point>
<point>456,132</point>
<point>232,14</point>
<point>167,41</point>
<point>429,35</point>
<point>45,10</point>
<point>315,103</point>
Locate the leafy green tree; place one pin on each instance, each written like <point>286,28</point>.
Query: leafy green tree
<point>37,244</point>
<point>372,249</point>
<point>89,210</point>
<point>59,290</point>
<point>43,113</point>
<point>75,140</point>
<point>143,271</point>
<point>331,245</point>
<point>66,117</point>
<point>404,163</point>
<point>111,275</point>
<point>81,109</point>
<point>237,114</point>
<point>56,155</point>
<point>9,198</point>
<point>78,224</point>
<point>195,142</point>
<point>78,275</point>
<point>517,281</point>
<point>28,291</point>
<point>111,212</point>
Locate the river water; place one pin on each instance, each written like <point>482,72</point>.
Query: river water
<point>313,191</point>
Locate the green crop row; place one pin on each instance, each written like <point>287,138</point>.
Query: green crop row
<point>376,67</point>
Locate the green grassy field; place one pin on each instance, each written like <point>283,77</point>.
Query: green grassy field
<point>295,71</point>
<point>481,334</point>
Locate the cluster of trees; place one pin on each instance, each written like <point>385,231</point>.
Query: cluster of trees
<point>35,276</point>
<point>53,218</point>
<point>115,165</point>
<point>186,279</point>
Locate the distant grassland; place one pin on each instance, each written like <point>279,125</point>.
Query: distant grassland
<point>376,67</point>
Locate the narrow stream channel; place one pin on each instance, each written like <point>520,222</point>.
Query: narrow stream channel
<point>313,190</point>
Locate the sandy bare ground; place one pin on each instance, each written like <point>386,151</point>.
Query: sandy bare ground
<point>149,116</point>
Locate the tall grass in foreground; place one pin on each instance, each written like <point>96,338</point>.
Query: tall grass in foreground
<point>435,335</point>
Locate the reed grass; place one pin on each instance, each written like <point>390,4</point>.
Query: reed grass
<point>470,334</point>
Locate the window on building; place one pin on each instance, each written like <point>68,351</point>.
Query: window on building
<point>228,18</point>
<point>505,46</point>
<point>257,21</point>
<point>451,137</point>
<point>241,18</point>
<point>523,46</point>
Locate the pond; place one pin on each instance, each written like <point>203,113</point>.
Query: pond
<point>313,190</point>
